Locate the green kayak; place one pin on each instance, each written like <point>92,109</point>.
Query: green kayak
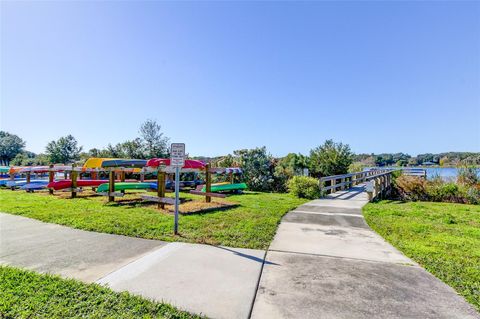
<point>226,187</point>
<point>124,186</point>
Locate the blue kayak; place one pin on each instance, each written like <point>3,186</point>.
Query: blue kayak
<point>3,182</point>
<point>35,185</point>
<point>20,183</point>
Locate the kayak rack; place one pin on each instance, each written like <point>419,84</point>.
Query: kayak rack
<point>198,192</point>
<point>112,194</point>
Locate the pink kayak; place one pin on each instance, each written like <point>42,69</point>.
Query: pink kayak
<point>189,164</point>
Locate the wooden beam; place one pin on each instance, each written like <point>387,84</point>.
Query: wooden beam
<point>111,185</point>
<point>161,200</point>
<point>161,187</point>
<point>208,194</point>
<point>51,176</point>
<point>122,179</point>
<point>208,186</point>
<point>74,175</point>
<point>111,194</point>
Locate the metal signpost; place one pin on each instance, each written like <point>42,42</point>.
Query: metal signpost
<point>177,159</point>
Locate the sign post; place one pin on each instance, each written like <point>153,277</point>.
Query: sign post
<point>177,159</point>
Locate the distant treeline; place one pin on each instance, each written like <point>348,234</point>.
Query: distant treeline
<point>402,159</point>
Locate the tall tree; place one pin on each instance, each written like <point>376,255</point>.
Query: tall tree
<point>330,159</point>
<point>155,142</point>
<point>64,150</point>
<point>10,146</point>
<point>257,166</point>
<point>133,148</point>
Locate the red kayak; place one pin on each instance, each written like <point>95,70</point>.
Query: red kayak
<point>189,164</point>
<point>67,183</point>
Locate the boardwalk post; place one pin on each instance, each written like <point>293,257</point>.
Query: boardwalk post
<point>333,183</point>
<point>208,186</point>
<point>111,185</point>
<point>73,176</point>
<point>51,175</point>
<point>122,179</point>
<point>342,181</point>
<point>161,187</point>
<point>369,189</point>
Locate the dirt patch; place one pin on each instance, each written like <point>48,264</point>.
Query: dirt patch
<point>132,199</point>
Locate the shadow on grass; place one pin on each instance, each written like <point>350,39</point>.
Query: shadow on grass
<point>139,203</point>
<point>210,210</point>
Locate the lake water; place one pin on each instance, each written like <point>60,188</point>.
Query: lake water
<point>446,173</point>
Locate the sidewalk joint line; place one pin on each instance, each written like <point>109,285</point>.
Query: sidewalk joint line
<point>327,214</point>
<point>258,284</point>
<point>341,257</point>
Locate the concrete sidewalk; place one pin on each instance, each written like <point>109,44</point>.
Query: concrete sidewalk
<point>219,282</point>
<point>325,262</point>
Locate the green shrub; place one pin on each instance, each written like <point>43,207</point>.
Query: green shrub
<point>468,175</point>
<point>356,167</point>
<point>471,194</point>
<point>411,188</point>
<point>304,187</point>
<point>443,192</point>
<point>436,190</point>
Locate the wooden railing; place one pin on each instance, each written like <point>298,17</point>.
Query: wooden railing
<point>377,182</point>
<point>420,172</point>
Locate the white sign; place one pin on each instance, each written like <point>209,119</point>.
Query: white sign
<point>177,154</point>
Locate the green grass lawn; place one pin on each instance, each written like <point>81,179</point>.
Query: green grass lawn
<point>442,237</point>
<point>26,294</point>
<point>252,224</point>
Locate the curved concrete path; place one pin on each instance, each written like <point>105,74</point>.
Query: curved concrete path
<point>325,262</point>
<point>219,282</point>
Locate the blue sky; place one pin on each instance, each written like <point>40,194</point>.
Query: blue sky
<point>219,76</point>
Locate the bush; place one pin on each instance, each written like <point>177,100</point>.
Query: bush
<point>330,159</point>
<point>436,190</point>
<point>258,167</point>
<point>411,188</point>
<point>468,175</point>
<point>304,187</point>
<point>443,192</point>
<point>470,194</point>
<point>356,167</point>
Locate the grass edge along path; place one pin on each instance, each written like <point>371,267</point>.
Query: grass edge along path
<point>251,224</point>
<point>26,294</point>
<point>444,238</point>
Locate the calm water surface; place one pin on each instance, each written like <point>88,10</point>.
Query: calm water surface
<point>446,173</point>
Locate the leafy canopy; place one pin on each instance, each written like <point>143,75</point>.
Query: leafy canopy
<point>155,143</point>
<point>330,159</point>
<point>10,146</point>
<point>64,150</point>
